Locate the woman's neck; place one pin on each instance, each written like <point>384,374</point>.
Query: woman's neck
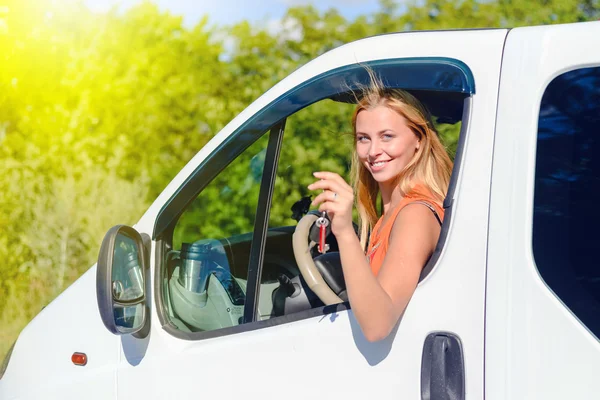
<point>390,196</point>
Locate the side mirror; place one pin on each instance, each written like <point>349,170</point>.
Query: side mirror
<point>120,281</point>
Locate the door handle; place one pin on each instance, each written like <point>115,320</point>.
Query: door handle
<point>442,368</point>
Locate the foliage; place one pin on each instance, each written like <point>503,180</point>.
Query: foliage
<point>98,113</point>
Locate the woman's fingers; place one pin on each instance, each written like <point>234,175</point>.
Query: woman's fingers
<point>331,193</point>
<point>326,175</point>
<point>332,185</point>
<point>336,192</point>
<point>326,196</point>
<point>337,198</point>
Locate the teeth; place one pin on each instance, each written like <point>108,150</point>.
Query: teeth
<point>378,164</point>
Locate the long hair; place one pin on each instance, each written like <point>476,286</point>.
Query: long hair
<point>430,166</point>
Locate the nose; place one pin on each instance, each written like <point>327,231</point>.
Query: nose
<point>374,149</point>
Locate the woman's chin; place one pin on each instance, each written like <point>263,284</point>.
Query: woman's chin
<point>382,178</point>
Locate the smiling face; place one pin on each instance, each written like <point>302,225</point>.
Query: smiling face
<point>384,143</point>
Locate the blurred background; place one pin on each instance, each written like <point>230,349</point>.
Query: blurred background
<point>103,101</point>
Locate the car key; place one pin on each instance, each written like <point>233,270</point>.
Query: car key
<point>322,223</point>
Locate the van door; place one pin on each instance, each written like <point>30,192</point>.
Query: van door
<point>223,334</point>
<point>543,301</point>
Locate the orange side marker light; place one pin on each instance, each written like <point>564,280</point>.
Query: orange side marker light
<point>79,359</point>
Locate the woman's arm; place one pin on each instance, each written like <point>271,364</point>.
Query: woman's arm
<point>378,302</point>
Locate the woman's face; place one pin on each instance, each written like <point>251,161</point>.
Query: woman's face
<point>384,143</point>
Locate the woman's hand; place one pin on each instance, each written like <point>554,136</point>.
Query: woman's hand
<point>337,199</point>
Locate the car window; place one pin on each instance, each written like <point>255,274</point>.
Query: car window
<point>567,193</point>
<point>207,270</point>
<point>317,138</point>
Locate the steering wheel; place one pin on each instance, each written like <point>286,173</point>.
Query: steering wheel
<point>307,266</point>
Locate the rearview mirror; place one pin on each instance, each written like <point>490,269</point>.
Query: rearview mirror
<point>121,281</point>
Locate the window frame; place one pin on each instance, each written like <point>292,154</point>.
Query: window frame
<point>441,74</point>
<point>261,222</point>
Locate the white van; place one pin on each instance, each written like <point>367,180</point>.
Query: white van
<point>210,294</point>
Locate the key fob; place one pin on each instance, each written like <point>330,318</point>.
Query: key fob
<point>314,232</point>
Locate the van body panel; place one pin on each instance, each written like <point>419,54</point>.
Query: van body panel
<point>535,347</point>
<point>41,366</point>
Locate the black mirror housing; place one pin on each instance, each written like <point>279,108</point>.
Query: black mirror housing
<point>121,277</point>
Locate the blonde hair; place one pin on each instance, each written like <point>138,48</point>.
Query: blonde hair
<point>430,166</point>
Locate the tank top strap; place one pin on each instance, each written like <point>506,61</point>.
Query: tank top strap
<point>431,206</point>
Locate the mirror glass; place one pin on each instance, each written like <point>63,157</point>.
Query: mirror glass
<point>127,284</point>
<point>129,318</point>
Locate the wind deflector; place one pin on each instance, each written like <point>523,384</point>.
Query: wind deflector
<point>440,83</point>
<point>437,74</point>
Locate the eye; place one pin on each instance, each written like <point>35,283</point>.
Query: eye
<point>361,138</point>
<point>387,136</point>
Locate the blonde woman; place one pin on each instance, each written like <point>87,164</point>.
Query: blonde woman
<point>397,155</point>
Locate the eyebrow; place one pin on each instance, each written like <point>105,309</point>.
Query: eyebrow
<point>377,133</point>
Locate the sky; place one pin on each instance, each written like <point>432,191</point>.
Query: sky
<point>226,12</point>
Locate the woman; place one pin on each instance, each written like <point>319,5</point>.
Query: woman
<point>397,155</point>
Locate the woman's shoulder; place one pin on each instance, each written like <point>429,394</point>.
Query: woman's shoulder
<point>420,190</point>
<point>422,194</point>
<point>419,193</point>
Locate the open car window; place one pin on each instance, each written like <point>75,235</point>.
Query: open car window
<point>225,255</point>
<point>317,138</point>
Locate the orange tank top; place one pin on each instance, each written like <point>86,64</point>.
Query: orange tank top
<point>380,235</point>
